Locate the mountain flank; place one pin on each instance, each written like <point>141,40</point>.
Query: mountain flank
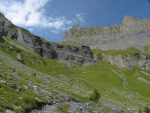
<point>37,76</point>
<point>75,54</point>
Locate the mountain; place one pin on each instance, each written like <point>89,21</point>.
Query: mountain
<point>76,54</point>
<point>132,32</point>
<point>37,76</point>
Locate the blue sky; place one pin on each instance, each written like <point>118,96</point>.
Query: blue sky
<point>50,18</point>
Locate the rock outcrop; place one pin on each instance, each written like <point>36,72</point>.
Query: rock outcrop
<point>79,55</point>
<point>141,61</point>
<point>131,33</point>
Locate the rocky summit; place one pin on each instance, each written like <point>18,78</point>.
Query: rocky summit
<point>93,70</point>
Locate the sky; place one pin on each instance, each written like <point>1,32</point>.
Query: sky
<point>51,18</point>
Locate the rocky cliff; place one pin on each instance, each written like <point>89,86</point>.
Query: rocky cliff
<point>79,55</point>
<point>132,32</point>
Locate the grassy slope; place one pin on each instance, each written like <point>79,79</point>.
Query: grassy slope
<point>147,48</point>
<point>116,86</point>
<point>17,98</point>
<point>117,52</point>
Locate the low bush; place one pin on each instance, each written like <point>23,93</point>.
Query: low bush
<point>95,95</point>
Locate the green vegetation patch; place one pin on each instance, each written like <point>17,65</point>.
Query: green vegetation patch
<point>147,49</point>
<point>14,94</point>
<point>117,52</point>
<point>71,44</point>
<point>63,108</point>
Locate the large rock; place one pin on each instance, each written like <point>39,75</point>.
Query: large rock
<point>132,32</point>
<point>19,57</point>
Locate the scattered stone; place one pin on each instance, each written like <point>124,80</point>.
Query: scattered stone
<point>9,111</point>
<point>19,57</point>
<point>12,85</point>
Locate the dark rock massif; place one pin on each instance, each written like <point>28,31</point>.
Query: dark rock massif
<point>78,55</point>
<point>132,32</point>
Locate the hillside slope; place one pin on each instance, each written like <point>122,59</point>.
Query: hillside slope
<point>50,82</point>
<point>31,82</point>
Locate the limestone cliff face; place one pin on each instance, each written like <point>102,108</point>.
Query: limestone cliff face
<point>131,33</point>
<point>79,55</point>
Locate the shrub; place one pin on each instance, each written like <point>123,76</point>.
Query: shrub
<point>34,74</point>
<point>28,103</point>
<point>95,95</point>
<point>63,108</point>
<point>18,50</point>
<point>45,63</point>
<point>146,110</point>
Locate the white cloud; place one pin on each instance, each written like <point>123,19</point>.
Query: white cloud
<point>31,13</point>
<point>80,17</point>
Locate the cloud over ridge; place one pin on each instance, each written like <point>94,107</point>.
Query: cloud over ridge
<point>31,13</point>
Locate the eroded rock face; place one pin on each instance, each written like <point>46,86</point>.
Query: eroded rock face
<point>131,33</point>
<point>79,55</point>
<point>141,61</point>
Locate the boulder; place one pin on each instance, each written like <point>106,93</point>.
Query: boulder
<point>9,111</point>
<point>19,57</point>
